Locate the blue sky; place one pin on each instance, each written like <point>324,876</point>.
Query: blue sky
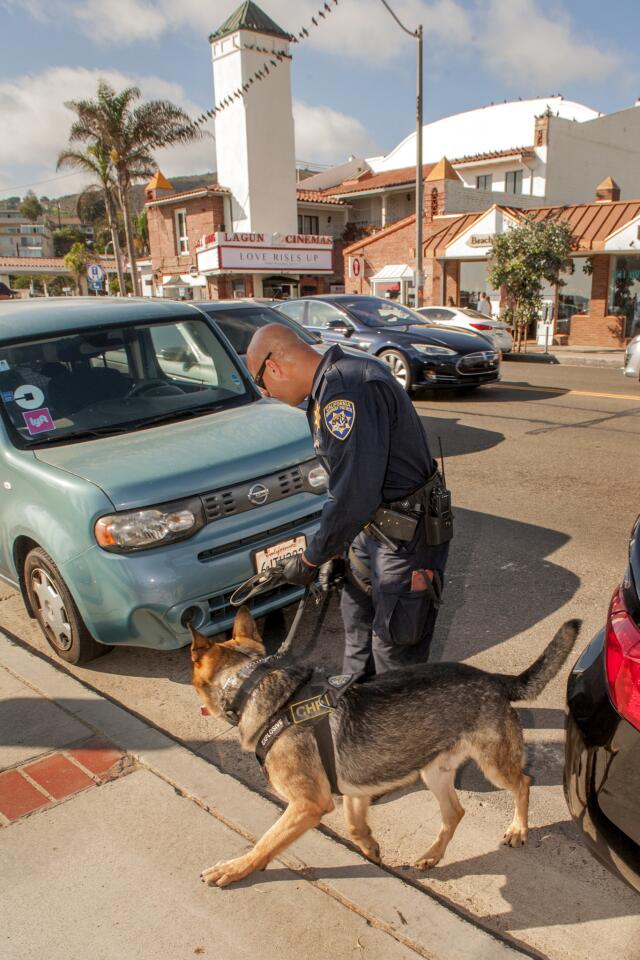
<point>353,80</point>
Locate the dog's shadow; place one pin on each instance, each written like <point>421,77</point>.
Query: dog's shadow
<point>528,908</point>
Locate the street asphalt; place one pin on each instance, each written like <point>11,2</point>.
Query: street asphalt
<point>543,469</point>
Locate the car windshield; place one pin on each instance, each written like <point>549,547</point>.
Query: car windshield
<point>96,382</point>
<point>240,323</point>
<point>379,313</point>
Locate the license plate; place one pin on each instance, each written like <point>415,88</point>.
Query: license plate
<point>264,559</point>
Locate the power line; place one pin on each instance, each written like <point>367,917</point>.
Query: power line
<point>36,183</point>
<point>265,69</point>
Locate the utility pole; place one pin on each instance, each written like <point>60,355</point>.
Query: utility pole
<point>419,279</point>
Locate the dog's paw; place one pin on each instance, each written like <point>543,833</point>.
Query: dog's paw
<point>225,872</point>
<point>424,863</point>
<point>371,850</point>
<point>515,836</point>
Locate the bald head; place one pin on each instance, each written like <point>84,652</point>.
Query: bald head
<point>291,364</point>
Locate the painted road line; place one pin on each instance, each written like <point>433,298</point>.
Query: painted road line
<point>561,392</point>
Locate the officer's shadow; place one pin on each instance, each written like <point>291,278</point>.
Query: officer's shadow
<point>498,584</point>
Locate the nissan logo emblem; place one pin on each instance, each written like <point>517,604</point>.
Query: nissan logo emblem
<point>258,494</point>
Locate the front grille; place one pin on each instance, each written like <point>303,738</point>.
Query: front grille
<point>277,486</point>
<point>221,608</point>
<point>257,538</point>
<point>483,362</point>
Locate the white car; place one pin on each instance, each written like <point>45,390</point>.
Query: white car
<point>496,331</point>
<point>632,359</point>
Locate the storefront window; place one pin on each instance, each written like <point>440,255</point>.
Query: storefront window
<point>574,293</point>
<point>473,282</point>
<point>624,292</point>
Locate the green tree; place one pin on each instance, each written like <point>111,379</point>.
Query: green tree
<point>76,262</point>
<point>141,233</point>
<point>64,238</point>
<point>520,259</point>
<point>31,208</point>
<point>130,133</point>
<point>95,160</point>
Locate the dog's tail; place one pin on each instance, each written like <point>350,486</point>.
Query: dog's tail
<point>531,683</point>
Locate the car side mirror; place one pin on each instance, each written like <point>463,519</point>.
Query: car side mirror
<point>341,326</point>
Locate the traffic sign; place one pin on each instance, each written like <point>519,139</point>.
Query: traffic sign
<point>95,273</point>
<point>95,285</point>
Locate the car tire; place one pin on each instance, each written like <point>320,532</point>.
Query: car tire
<point>56,612</point>
<point>399,366</point>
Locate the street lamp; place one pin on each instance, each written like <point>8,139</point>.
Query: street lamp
<point>417,35</point>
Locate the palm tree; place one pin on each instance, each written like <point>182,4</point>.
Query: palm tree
<point>95,159</point>
<point>130,134</point>
<point>76,262</point>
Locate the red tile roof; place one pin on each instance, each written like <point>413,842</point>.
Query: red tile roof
<point>185,194</point>
<point>374,181</point>
<point>496,154</point>
<point>53,264</point>
<point>318,196</point>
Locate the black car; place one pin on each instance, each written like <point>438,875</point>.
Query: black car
<point>420,354</point>
<point>239,320</point>
<point>602,753</point>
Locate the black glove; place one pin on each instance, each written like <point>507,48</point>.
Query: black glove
<point>331,574</point>
<point>296,571</point>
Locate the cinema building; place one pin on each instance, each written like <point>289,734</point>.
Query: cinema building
<point>253,233</point>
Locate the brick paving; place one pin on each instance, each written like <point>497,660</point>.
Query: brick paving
<point>48,780</point>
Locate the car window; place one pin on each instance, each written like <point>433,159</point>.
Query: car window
<point>76,385</point>
<point>295,310</point>
<point>240,323</point>
<point>376,312</point>
<point>436,313</point>
<point>321,314</point>
<point>474,314</point>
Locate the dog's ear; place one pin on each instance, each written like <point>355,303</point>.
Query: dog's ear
<point>244,626</point>
<point>199,644</point>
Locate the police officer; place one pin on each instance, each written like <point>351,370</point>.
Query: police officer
<point>369,437</point>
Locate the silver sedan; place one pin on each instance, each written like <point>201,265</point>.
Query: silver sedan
<point>495,331</point>
<point>632,359</point>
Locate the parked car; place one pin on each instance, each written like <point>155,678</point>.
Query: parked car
<point>602,758</point>
<point>632,359</point>
<point>239,320</point>
<point>144,475</point>
<point>420,354</point>
<point>466,318</point>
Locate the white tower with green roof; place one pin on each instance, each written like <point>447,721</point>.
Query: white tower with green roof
<point>255,147</point>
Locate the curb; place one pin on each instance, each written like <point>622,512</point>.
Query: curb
<point>529,358</point>
<point>410,914</point>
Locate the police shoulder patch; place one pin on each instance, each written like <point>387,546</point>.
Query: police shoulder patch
<point>339,416</point>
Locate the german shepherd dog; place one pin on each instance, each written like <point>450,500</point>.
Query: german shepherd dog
<point>409,723</point>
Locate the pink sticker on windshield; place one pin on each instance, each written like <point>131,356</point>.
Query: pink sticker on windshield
<point>39,421</point>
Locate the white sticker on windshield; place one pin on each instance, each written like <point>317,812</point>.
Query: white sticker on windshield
<point>28,397</point>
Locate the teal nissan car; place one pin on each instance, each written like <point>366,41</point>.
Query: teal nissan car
<point>142,474</point>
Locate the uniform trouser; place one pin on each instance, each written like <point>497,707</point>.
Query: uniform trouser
<point>391,626</point>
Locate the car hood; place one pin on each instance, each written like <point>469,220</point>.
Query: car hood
<point>452,337</point>
<point>178,459</point>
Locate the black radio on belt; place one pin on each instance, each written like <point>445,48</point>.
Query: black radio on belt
<point>439,519</point>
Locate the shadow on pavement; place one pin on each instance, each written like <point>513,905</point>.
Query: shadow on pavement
<point>456,438</point>
<point>509,390</point>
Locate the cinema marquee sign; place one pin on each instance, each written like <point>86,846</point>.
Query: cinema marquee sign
<point>221,253</point>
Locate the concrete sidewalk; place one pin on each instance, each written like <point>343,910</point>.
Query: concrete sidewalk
<point>107,823</point>
<point>572,356</point>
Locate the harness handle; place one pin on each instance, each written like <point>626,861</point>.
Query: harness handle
<point>256,584</point>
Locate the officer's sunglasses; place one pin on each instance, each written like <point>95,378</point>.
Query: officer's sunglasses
<point>259,377</point>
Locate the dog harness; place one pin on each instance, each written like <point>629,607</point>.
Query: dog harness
<point>312,703</point>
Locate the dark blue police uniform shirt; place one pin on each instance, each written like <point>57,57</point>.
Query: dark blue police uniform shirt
<point>369,438</point>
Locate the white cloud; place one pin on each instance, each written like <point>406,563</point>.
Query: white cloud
<point>527,45</point>
<point>324,135</point>
<point>36,126</point>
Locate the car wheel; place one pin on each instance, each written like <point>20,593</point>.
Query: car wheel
<point>55,610</point>
<point>399,366</point>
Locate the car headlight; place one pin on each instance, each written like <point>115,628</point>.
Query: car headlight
<point>315,476</point>
<point>150,526</point>
<point>433,350</point>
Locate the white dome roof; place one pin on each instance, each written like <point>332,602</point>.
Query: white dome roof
<point>498,127</point>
